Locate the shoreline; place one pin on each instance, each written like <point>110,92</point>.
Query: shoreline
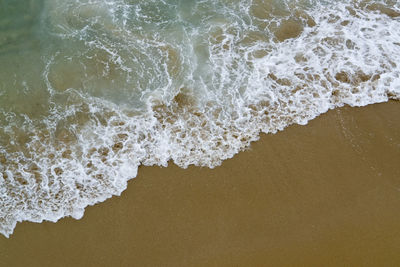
<point>327,193</point>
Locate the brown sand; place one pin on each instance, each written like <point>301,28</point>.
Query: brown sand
<point>325,194</point>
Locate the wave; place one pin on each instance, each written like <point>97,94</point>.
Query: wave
<point>108,86</point>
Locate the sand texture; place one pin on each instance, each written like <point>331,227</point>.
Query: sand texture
<point>324,194</point>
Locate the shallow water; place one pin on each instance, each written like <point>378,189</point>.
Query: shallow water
<point>90,90</point>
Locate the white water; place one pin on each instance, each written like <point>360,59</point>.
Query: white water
<point>90,90</point>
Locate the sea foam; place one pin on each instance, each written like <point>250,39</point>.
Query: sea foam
<point>124,84</point>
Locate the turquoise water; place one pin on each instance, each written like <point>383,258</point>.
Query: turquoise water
<point>90,90</point>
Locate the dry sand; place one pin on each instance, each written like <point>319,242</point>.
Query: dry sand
<point>325,194</point>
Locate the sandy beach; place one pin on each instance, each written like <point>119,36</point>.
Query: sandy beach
<point>324,194</point>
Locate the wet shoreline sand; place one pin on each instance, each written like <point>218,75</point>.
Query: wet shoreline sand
<point>324,194</point>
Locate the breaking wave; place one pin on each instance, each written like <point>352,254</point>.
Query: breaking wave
<point>90,89</point>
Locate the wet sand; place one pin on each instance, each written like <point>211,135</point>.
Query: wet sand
<point>325,194</point>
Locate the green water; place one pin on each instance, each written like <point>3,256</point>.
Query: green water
<point>92,89</point>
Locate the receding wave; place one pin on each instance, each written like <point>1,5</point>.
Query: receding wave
<point>91,90</point>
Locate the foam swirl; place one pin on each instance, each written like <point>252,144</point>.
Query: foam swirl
<point>119,84</point>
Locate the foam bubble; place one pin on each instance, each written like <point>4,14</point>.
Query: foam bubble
<point>129,84</point>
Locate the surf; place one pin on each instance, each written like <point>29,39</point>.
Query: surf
<point>91,90</point>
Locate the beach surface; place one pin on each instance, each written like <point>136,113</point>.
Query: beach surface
<point>324,194</point>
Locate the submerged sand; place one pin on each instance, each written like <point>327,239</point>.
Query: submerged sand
<point>324,194</point>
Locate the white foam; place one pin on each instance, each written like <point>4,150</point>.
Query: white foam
<point>200,111</point>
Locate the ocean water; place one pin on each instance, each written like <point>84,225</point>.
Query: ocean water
<point>92,89</point>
